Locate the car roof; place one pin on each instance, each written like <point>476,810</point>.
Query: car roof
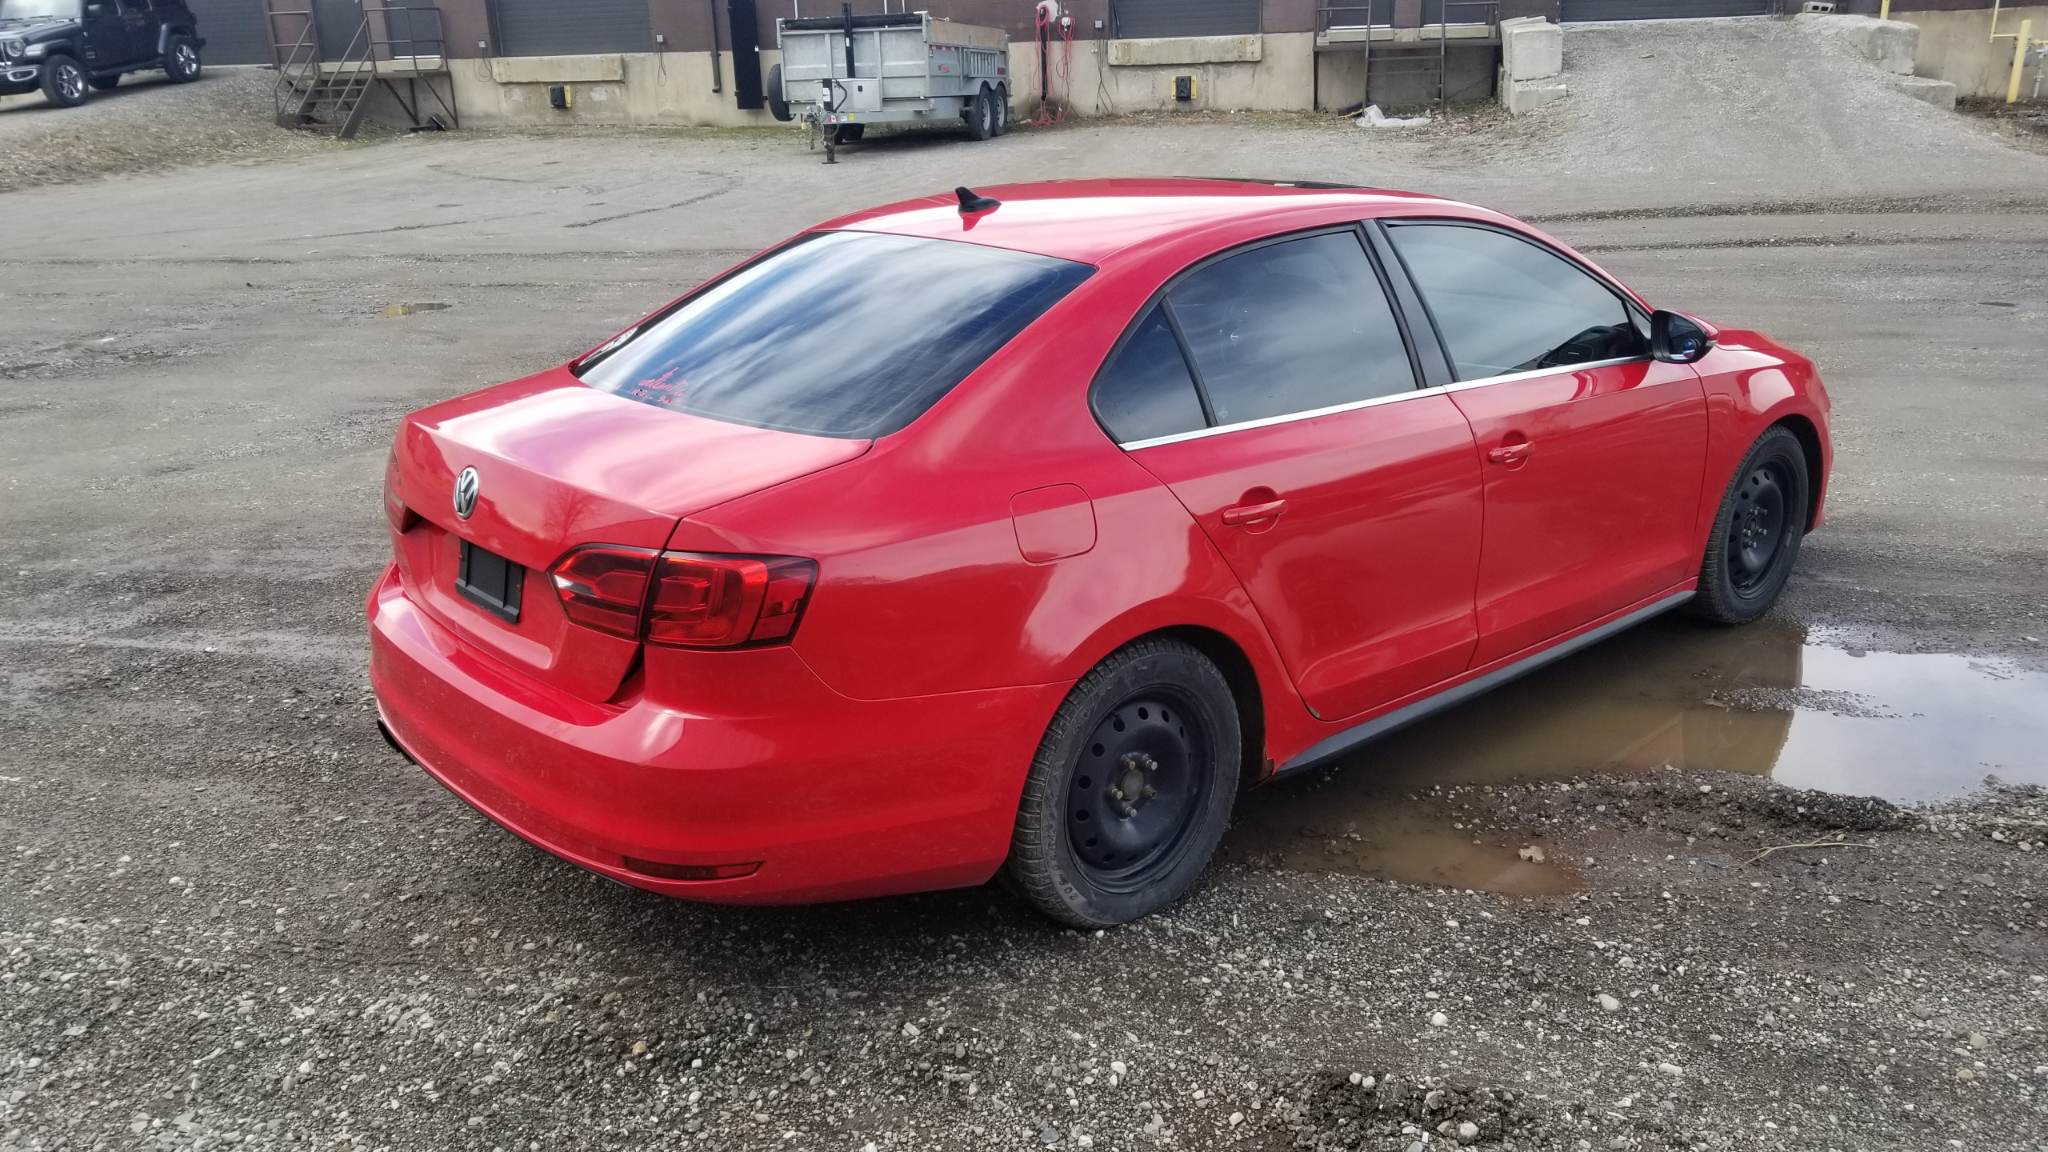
<point>1094,221</point>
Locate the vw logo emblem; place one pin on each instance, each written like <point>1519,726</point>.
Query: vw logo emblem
<point>467,487</point>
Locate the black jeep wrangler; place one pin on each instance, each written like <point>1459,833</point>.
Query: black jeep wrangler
<point>65,47</point>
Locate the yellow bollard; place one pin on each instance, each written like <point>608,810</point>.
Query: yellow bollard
<point>1884,10</point>
<point>2019,60</point>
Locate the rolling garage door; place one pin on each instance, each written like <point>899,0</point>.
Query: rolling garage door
<point>1142,18</point>
<point>233,30</point>
<point>1662,9</point>
<point>572,27</point>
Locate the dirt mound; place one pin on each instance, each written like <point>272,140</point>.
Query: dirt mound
<point>1749,111</point>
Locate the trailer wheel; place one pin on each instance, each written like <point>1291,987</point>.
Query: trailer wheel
<point>982,116</point>
<point>778,101</point>
<point>1002,110</point>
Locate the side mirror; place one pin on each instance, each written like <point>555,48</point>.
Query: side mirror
<point>95,10</point>
<point>1677,339</point>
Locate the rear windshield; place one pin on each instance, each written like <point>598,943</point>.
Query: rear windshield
<point>840,334</point>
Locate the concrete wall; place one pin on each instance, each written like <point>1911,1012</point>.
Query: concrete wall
<point>1276,71</point>
<point>1281,78</point>
<point>670,89</point>
<point>1341,76</point>
<point>1955,46</point>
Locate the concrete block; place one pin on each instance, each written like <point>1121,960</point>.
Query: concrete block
<point>1939,93</point>
<point>1532,49</point>
<point>1187,50</point>
<point>1525,96</point>
<point>1890,44</point>
<point>558,69</point>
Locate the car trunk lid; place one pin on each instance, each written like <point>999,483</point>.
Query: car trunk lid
<point>559,465</point>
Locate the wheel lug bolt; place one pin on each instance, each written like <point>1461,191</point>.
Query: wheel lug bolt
<point>1116,793</point>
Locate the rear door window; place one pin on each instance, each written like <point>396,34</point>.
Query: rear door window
<point>1291,327</point>
<point>1146,391</point>
<point>849,334</point>
<point>1504,304</point>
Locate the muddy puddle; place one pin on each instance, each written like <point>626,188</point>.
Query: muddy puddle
<point>1766,700</point>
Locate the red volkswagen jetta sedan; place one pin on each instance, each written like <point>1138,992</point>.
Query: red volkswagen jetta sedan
<point>1017,531</point>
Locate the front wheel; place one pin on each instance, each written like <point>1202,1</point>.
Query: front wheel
<point>181,62</point>
<point>1756,533</point>
<point>64,82</point>
<point>1002,111</point>
<point>1131,789</point>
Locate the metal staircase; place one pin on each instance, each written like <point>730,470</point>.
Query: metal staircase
<point>328,96</point>
<point>1367,26</point>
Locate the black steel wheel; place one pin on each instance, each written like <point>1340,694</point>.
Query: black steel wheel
<point>1757,531</point>
<point>1131,789</point>
<point>64,82</point>
<point>181,62</point>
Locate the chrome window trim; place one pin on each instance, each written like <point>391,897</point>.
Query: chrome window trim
<point>1375,401</point>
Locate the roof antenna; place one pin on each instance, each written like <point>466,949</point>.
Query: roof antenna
<point>972,201</point>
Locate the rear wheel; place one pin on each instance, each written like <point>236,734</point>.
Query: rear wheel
<point>64,82</point>
<point>181,60</point>
<point>1757,531</point>
<point>981,115</point>
<point>103,83</point>
<point>1002,110</point>
<point>1131,789</point>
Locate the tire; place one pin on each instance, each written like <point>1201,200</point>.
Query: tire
<point>1002,111</point>
<point>849,133</point>
<point>1755,540</point>
<point>64,82</point>
<point>181,60</point>
<point>1152,730</point>
<point>778,100</point>
<point>103,83</point>
<point>981,115</point>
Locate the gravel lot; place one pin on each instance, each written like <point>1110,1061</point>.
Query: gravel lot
<point>230,917</point>
<point>144,125</point>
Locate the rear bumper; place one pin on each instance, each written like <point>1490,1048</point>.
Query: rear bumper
<point>833,798</point>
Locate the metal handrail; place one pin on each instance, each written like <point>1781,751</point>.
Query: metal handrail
<point>1373,9</point>
<point>302,72</point>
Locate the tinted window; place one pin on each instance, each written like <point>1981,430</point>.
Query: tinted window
<point>840,334</point>
<point>1507,305</point>
<point>1289,327</point>
<point>1146,390</point>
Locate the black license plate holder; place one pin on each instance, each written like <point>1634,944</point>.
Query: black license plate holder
<point>489,581</point>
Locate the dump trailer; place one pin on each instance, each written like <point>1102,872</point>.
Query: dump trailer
<point>841,73</point>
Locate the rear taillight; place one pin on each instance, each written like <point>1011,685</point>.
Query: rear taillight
<point>684,599</point>
<point>605,588</point>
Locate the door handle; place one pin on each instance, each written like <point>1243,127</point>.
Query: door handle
<point>1244,514</point>
<point>1513,454</point>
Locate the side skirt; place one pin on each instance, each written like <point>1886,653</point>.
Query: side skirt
<point>1332,747</point>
